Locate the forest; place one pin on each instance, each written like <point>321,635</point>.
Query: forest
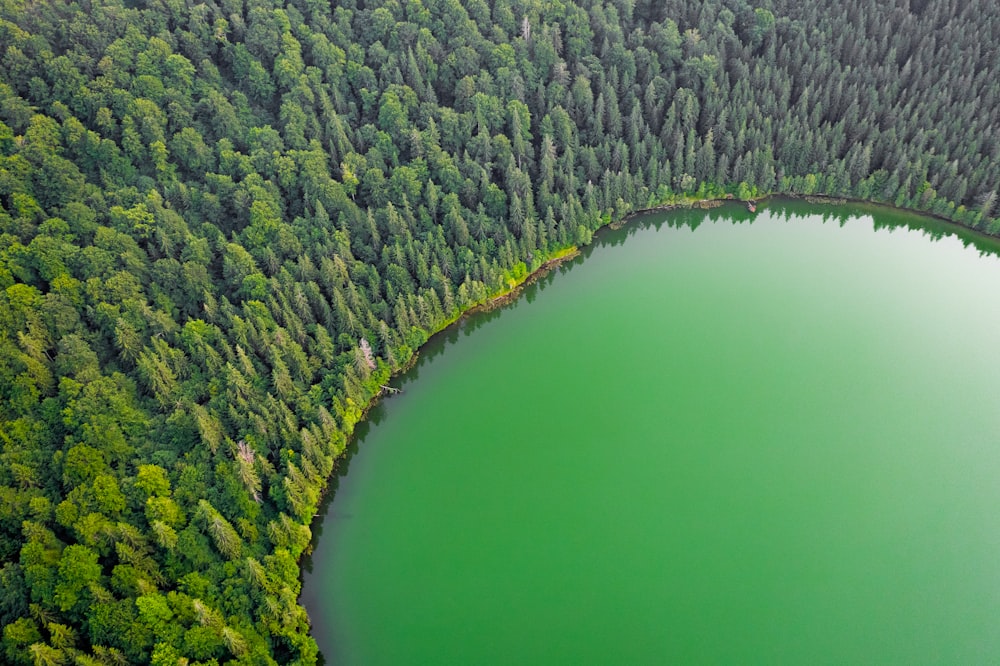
<point>224,224</point>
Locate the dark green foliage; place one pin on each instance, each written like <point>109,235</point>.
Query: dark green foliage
<point>223,226</point>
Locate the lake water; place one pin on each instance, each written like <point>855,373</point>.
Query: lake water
<point>705,440</point>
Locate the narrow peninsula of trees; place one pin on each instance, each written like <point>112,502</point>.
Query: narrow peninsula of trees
<point>225,223</point>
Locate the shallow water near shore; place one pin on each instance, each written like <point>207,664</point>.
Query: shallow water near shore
<point>707,439</point>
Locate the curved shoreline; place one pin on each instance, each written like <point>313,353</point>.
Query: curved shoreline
<point>713,345</point>
<point>510,294</point>
<point>559,257</point>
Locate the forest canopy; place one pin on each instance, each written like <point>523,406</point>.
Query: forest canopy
<point>224,225</point>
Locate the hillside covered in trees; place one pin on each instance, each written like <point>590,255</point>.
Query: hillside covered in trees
<point>224,224</point>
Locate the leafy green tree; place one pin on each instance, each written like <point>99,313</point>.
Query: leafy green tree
<point>78,568</point>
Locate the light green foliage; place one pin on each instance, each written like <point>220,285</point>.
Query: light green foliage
<point>78,568</point>
<point>152,479</point>
<point>17,636</point>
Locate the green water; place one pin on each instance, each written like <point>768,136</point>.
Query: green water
<point>704,441</point>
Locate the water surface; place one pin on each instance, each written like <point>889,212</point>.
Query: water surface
<point>705,441</point>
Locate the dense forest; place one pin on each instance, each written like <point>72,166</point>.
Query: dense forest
<point>224,225</point>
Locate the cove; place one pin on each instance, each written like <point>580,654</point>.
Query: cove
<point>705,440</point>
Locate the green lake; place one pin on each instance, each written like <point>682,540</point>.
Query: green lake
<point>705,440</point>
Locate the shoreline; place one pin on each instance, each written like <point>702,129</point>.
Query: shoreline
<point>494,302</point>
<point>491,303</point>
<point>509,295</point>
<point>954,227</point>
